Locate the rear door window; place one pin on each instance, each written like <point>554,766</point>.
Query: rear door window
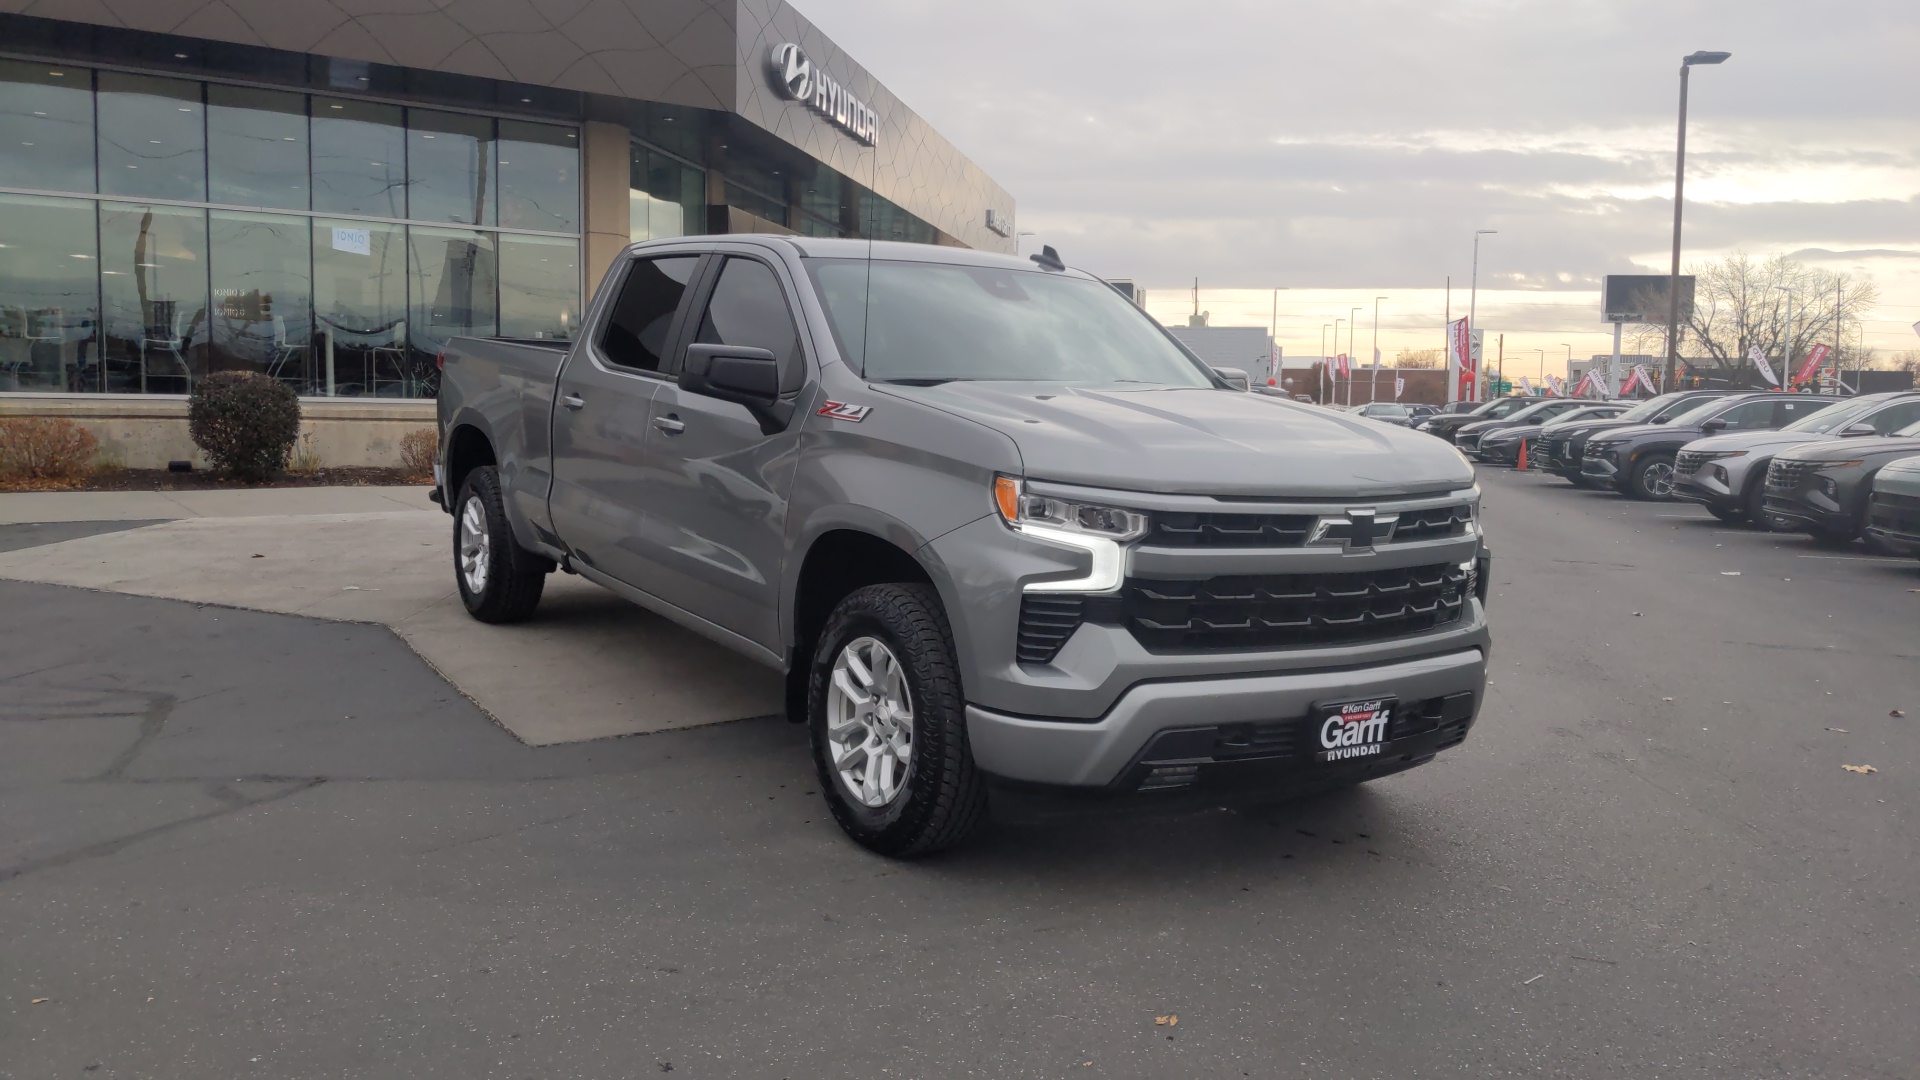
<point>636,337</point>
<point>749,309</point>
<point>1749,415</point>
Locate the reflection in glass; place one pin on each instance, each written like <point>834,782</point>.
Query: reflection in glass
<point>360,307</point>
<point>539,286</point>
<point>665,198</point>
<point>453,280</point>
<point>49,294</point>
<point>450,168</point>
<point>153,285</point>
<point>153,137</point>
<point>262,317</point>
<point>256,147</point>
<point>756,204</point>
<point>359,159</point>
<point>539,177</point>
<point>46,126</point>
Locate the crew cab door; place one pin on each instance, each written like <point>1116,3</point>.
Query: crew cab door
<point>720,474</point>
<point>602,406</point>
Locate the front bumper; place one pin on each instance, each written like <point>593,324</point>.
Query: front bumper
<point>1704,489</point>
<point>1603,469</point>
<point>1804,510</point>
<point>1241,735</point>
<point>1893,517</point>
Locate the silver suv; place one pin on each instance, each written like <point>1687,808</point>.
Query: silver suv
<point>1727,473</point>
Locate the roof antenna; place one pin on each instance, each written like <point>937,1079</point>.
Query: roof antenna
<point>1048,259</point>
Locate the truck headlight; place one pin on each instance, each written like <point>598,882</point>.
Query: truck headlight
<point>1097,530</point>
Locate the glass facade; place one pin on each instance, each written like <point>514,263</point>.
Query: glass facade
<point>154,230</point>
<point>666,197</point>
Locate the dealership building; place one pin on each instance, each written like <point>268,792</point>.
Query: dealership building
<point>328,192</point>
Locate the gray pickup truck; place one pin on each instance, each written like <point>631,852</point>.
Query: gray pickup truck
<point>998,528</point>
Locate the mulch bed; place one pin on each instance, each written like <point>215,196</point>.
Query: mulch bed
<point>199,480</point>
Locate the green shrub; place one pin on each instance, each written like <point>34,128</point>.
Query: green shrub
<point>245,422</point>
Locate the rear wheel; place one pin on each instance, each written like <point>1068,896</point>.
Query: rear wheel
<point>500,581</point>
<point>1652,478</point>
<point>889,725</point>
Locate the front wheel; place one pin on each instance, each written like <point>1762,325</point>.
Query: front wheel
<point>889,724</point>
<point>500,582</point>
<point>1652,478</point>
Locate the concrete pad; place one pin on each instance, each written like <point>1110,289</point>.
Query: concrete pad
<point>43,506</point>
<point>588,666</point>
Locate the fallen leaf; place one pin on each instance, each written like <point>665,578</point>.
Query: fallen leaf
<point>1169,1020</point>
<point>38,1001</point>
<point>1897,713</point>
<point>1862,769</point>
<point>259,556</point>
<point>1841,730</point>
<point>1666,699</point>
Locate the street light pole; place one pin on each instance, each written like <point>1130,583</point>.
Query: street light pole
<point>1352,321</point>
<point>1543,364</point>
<point>1679,191</point>
<point>1473,301</point>
<point>1325,376</point>
<point>1336,344</point>
<point>1373,380</point>
<point>1786,341</point>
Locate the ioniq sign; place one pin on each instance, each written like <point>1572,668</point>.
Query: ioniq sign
<point>799,79</point>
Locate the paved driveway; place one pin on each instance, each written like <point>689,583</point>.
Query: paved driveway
<point>248,844</point>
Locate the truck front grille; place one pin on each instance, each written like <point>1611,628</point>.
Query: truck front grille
<point>1689,462</point>
<point>1231,530</point>
<point>1279,610</point>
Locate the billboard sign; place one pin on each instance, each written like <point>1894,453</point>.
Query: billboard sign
<point>1642,298</point>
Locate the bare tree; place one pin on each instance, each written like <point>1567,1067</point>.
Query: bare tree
<point>1416,359</point>
<point>1900,361</point>
<point>1739,304</point>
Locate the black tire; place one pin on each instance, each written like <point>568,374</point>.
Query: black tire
<point>944,795</point>
<point>1652,478</point>
<point>1756,503</point>
<point>514,577</point>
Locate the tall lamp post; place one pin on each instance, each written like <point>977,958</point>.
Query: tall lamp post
<point>1336,344</point>
<point>1473,299</point>
<point>1543,366</point>
<point>1373,380</point>
<point>1326,377</point>
<point>1679,190</point>
<point>1353,320</point>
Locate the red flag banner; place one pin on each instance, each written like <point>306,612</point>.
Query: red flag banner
<point>1812,365</point>
<point>1461,344</point>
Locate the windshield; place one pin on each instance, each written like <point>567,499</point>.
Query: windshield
<point>1833,418</point>
<point>1650,408</point>
<point>1386,410</point>
<point>1584,414</point>
<point>1535,412</point>
<point>938,322</point>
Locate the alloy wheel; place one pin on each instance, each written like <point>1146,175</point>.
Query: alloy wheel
<point>869,722</point>
<point>476,545</point>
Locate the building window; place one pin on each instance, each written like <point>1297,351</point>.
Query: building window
<point>46,127</point>
<point>49,294</point>
<point>359,159</point>
<point>257,148</point>
<point>360,307</point>
<point>153,288</point>
<point>450,168</point>
<point>330,285</point>
<point>153,138</point>
<point>539,177</point>
<point>665,197</point>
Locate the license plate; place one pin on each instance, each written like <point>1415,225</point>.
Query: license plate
<point>1352,730</point>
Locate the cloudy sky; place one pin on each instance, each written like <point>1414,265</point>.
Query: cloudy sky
<point>1349,148</point>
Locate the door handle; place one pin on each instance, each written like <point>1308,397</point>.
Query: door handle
<point>669,424</point>
<point>574,401</point>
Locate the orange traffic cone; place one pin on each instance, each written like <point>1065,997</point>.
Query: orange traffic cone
<point>1521,464</point>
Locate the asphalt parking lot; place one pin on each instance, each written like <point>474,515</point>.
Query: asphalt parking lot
<point>248,844</point>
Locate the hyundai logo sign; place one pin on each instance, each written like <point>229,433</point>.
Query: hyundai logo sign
<point>799,79</point>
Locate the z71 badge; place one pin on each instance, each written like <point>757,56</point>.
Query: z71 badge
<point>840,410</point>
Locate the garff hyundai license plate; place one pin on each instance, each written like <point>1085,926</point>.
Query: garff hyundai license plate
<point>1356,729</point>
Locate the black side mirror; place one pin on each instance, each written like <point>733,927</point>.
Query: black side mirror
<point>749,377</point>
<point>1235,377</point>
<point>1712,426</point>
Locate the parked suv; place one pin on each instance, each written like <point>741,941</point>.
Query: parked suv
<point>1539,412</point>
<point>1387,412</point>
<point>1823,489</point>
<point>1638,460</point>
<point>1446,424</point>
<point>1561,452</point>
<point>1727,473</point>
<point>1502,446</point>
<point>994,525</point>
<point>1893,511</point>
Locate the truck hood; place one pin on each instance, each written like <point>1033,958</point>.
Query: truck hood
<point>1198,441</point>
<point>1750,441</point>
